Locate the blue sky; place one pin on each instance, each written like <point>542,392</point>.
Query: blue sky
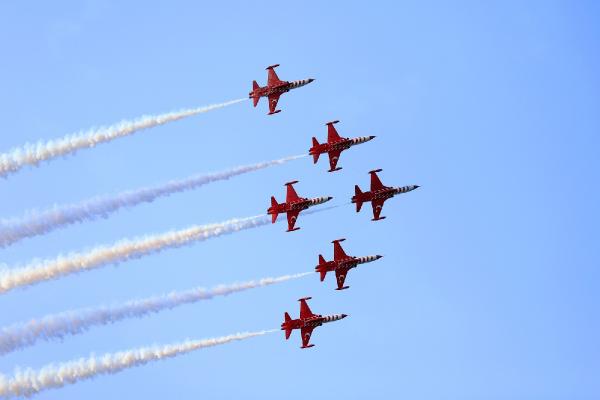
<point>489,284</point>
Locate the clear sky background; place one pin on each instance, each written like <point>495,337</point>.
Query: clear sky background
<point>489,287</point>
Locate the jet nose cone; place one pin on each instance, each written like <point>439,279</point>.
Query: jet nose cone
<point>417,186</point>
<point>372,137</point>
<point>311,80</point>
<point>329,198</point>
<point>344,316</point>
<point>378,256</point>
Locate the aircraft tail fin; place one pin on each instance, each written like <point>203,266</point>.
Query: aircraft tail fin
<point>357,195</point>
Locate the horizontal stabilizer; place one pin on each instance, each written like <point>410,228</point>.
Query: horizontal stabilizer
<point>358,205</point>
<point>291,183</point>
<point>333,122</point>
<point>375,171</point>
<point>358,198</point>
<point>272,66</point>
<point>343,288</point>
<point>314,150</point>
<point>323,273</point>
<point>273,210</point>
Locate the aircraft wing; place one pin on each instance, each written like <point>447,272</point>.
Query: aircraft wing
<point>305,311</point>
<point>292,216</point>
<point>340,276</point>
<point>306,333</point>
<point>338,251</point>
<point>334,156</point>
<point>272,78</point>
<point>377,206</point>
<point>332,135</point>
<point>291,194</point>
<point>273,99</point>
<point>376,182</point>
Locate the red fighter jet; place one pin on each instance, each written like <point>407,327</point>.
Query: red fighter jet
<point>293,205</point>
<point>274,89</point>
<point>307,322</point>
<point>378,194</point>
<point>334,146</point>
<point>341,264</point>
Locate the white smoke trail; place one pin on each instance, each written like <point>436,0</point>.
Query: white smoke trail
<point>127,249</point>
<point>29,382</point>
<point>33,154</point>
<point>123,250</point>
<point>41,222</point>
<point>75,322</point>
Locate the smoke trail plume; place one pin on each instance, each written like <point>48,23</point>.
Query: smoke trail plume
<point>127,249</point>
<point>33,154</point>
<point>41,222</point>
<point>75,322</point>
<point>29,382</point>
<point>123,250</point>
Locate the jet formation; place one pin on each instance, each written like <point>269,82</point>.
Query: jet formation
<point>342,263</point>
